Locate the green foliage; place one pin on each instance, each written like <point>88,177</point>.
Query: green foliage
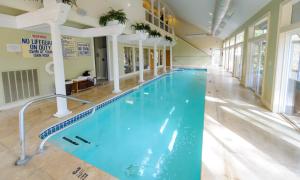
<point>168,38</point>
<point>141,27</point>
<point>154,33</point>
<point>112,15</point>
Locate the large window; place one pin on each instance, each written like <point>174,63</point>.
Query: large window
<point>258,46</point>
<point>238,56</point>
<point>128,60</point>
<point>293,84</point>
<point>146,58</point>
<point>295,13</point>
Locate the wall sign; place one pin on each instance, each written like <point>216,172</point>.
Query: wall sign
<point>69,46</point>
<point>36,46</point>
<point>40,46</point>
<point>83,49</point>
<point>13,48</point>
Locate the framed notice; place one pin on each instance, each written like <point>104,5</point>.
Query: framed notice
<point>83,49</point>
<point>36,46</point>
<point>69,46</point>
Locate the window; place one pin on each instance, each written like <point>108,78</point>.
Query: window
<point>295,13</point>
<point>146,58</point>
<point>240,38</point>
<point>261,28</point>
<point>137,59</point>
<point>128,60</point>
<point>160,57</point>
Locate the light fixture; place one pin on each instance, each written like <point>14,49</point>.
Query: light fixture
<point>211,14</point>
<point>129,5</point>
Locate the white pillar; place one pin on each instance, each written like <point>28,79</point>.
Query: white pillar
<point>59,71</point>
<point>171,57</point>
<point>165,59</point>
<point>155,59</point>
<point>141,61</point>
<point>133,58</point>
<point>115,64</point>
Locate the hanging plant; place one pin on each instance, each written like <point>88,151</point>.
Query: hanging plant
<point>168,38</point>
<point>141,27</point>
<point>154,34</point>
<point>69,2</point>
<point>113,15</point>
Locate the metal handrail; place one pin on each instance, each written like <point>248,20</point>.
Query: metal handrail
<point>23,157</point>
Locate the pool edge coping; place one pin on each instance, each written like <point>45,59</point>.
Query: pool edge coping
<point>46,133</point>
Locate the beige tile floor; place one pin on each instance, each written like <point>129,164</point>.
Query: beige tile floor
<point>242,140</point>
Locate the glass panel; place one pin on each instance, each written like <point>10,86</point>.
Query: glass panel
<point>296,13</point>
<point>231,59</point>
<point>293,90</point>
<point>146,58</point>
<point>258,61</point>
<point>128,61</point>
<point>137,60</point>
<point>147,5</point>
<point>261,29</point>
<point>160,57</point>
<point>238,62</point>
<point>232,41</point>
<point>240,38</point>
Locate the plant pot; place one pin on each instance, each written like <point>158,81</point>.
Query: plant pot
<point>112,23</point>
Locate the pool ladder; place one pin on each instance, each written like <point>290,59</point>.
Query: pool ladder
<point>23,159</point>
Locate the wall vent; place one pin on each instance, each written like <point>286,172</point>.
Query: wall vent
<point>19,85</point>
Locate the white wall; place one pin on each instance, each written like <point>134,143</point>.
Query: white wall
<point>186,55</point>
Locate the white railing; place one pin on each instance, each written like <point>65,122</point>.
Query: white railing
<point>23,157</point>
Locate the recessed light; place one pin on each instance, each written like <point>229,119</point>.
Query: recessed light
<point>129,5</point>
<point>211,14</point>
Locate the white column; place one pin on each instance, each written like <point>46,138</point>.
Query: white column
<point>155,59</point>
<point>141,61</point>
<point>59,71</point>
<point>165,59</point>
<point>171,57</point>
<point>133,58</point>
<point>115,64</point>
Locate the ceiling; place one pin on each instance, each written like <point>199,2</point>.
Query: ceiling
<point>197,13</point>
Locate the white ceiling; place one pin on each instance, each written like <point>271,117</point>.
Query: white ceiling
<point>197,12</point>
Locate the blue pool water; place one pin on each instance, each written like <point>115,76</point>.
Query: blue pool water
<point>152,133</point>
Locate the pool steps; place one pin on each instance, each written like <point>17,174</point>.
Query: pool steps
<point>70,141</point>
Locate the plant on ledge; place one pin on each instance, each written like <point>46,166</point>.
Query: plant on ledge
<point>168,38</point>
<point>141,27</point>
<point>69,2</point>
<point>113,15</point>
<point>154,34</point>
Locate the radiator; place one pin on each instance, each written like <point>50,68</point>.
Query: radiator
<point>20,85</point>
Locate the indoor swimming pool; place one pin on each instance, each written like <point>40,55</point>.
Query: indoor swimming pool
<point>153,132</point>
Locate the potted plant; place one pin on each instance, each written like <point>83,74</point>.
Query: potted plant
<point>168,38</point>
<point>154,34</point>
<point>141,28</point>
<point>113,17</point>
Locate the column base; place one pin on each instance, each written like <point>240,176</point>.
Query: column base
<point>62,114</point>
<point>141,81</point>
<point>117,91</point>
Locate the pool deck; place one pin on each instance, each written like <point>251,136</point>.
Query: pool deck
<point>242,139</point>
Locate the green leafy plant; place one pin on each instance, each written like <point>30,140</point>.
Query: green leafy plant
<point>141,27</point>
<point>112,15</point>
<point>154,33</point>
<point>168,38</point>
